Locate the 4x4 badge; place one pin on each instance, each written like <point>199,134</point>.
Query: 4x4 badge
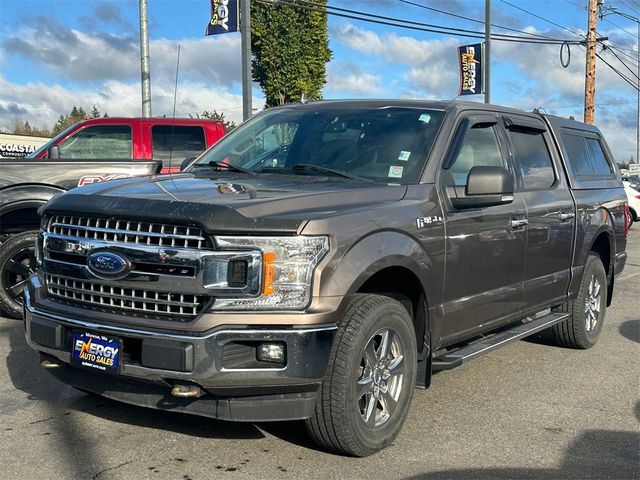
<point>422,222</point>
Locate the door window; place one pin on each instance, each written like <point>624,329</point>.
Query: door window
<point>174,143</point>
<point>534,160</point>
<point>97,142</point>
<point>479,148</point>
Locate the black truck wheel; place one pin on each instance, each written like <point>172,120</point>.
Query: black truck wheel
<point>586,311</point>
<point>17,262</point>
<point>365,396</point>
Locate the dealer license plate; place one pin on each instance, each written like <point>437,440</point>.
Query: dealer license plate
<point>96,352</point>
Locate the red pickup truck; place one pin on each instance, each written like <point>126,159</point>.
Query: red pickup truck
<point>168,140</point>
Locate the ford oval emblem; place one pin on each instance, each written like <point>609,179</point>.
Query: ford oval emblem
<point>108,264</point>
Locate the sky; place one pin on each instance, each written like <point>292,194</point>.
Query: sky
<point>55,54</point>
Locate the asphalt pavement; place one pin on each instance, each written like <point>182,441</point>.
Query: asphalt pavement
<point>527,411</point>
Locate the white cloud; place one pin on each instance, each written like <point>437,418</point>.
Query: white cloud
<point>41,104</point>
<point>348,78</point>
<point>81,57</point>
<point>431,65</point>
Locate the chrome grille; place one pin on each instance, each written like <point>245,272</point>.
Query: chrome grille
<point>122,299</point>
<point>127,231</point>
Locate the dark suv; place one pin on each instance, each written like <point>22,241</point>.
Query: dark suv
<point>323,259</point>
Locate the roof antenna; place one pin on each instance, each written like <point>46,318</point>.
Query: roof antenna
<point>304,99</point>
<point>173,117</point>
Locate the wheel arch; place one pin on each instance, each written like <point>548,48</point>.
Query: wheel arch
<point>19,206</point>
<point>394,264</point>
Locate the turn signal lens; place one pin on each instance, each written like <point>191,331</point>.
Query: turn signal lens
<point>268,261</point>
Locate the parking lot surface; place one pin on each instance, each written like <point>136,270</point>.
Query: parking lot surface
<point>527,411</point>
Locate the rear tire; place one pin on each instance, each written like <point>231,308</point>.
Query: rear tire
<point>586,311</point>
<point>367,390</point>
<point>17,262</point>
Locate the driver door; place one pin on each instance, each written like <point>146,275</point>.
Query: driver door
<point>485,246</point>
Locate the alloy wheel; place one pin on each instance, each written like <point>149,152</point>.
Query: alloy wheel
<point>593,303</point>
<point>380,378</point>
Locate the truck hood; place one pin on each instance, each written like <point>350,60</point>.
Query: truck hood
<point>224,203</point>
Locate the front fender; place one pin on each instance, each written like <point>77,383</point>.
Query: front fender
<point>379,250</point>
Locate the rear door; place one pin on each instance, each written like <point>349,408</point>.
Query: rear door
<point>550,211</point>
<point>485,247</point>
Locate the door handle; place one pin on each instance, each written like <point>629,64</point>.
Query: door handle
<point>517,223</point>
<point>564,216</point>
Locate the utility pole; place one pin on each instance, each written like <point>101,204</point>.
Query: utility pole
<point>245,35</point>
<point>487,51</point>
<point>590,69</point>
<point>145,70</point>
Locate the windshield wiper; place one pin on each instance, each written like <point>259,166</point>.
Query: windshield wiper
<point>231,168</point>
<point>306,167</point>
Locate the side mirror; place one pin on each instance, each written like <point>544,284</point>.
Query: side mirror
<point>486,187</point>
<point>53,152</point>
<point>185,163</point>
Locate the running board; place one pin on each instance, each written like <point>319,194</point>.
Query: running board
<point>455,358</point>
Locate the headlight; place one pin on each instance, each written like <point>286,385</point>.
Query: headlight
<point>287,269</point>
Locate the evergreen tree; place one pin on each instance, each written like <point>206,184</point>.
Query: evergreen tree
<point>77,114</point>
<point>228,124</point>
<point>290,48</point>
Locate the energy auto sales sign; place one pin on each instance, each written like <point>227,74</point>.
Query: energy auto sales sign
<point>225,17</point>
<point>470,61</point>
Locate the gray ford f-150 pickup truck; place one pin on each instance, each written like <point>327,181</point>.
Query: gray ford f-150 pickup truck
<point>324,259</point>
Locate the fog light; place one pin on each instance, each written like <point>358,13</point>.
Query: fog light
<point>271,352</point>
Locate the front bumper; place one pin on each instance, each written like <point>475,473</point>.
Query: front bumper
<point>153,362</point>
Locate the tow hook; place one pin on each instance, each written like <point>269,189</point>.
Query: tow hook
<point>186,391</point>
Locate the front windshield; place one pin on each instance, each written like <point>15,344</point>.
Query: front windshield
<point>51,142</point>
<point>387,145</point>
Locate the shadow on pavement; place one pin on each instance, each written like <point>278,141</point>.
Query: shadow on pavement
<point>596,454</point>
<point>28,377</point>
<point>631,330</point>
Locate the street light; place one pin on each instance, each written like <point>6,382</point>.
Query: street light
<point>613,10</point>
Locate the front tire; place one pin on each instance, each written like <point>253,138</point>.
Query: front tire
<point>17,263</point>
<point>367,390</point>
<point>586,311</point>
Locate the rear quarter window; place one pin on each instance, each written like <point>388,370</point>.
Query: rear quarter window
<point>173,143</point>
<point>585,156</point>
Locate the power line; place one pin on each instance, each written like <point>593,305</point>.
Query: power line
<point>632,59</point>
<point>444,12</point>
<point>543,19</point>
<point>623,63</point>
<point>620,74</point>
<point>630,9</point>
<point>406,24</point>
<point>619,28</point>
<point>598,105</point>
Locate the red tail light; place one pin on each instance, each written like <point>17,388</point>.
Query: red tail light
<point>626,220</point>
<point>638,197</point>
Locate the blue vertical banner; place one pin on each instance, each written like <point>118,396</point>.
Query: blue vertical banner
<point>225,17</point>
<point>470,60</point>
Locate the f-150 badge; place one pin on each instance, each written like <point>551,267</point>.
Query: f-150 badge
<point>422,222</point>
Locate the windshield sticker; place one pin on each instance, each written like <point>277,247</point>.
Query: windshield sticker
<point>425,117</point>
<point>404,156</point>
<point>395,171</point>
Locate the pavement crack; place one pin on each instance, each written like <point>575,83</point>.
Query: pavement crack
<point>111,468</point>
<point>41,420</point>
